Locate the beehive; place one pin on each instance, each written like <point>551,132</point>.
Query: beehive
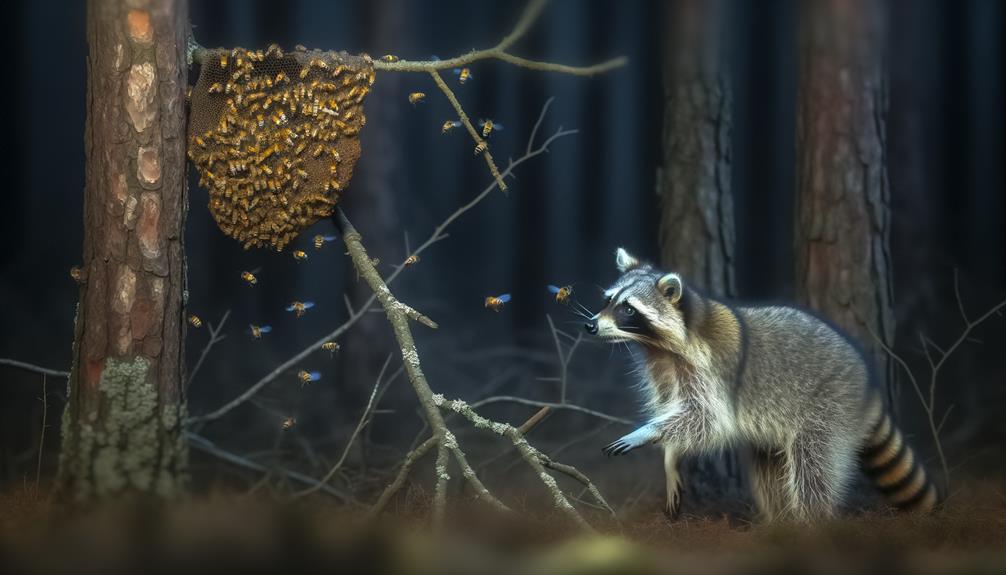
<point>274,136</point>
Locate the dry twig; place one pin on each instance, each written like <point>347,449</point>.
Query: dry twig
<point>215,338</point>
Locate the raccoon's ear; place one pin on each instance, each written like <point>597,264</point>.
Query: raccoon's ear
<point>625,261</point>
<point>671,286</point>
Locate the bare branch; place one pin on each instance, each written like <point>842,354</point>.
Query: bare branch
<point>410,459</point>
<point>215,338</point>
<point>535,403</point>
<point>206,446</point>
<point>33,368</point>
<point>480,143</point>
<point>364,420</point>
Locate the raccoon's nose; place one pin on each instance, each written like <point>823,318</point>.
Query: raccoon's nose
<point>591,327</point>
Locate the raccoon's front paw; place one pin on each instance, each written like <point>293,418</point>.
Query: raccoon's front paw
<point>638,438</point>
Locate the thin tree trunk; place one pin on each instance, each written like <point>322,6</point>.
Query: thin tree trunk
<point>843,264</point>
<point>697,217</point>
<point>693,183</point>
<point>122,424</point>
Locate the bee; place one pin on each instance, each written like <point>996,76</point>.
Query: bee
<point>488,126</point>
<point>495,303</point>
<point>288,423</point>
<point>195,321</point>
<point>223,60</point>
<point>299,255</point>
<point>249,277</point>
<point>562,294</point>
<point>77,274</point>
<point>389,58</point>
<point>308,376</point>
<point>449,125</point>
<point>413,259</point>
<point>258,330</point>
<point>299,307</point>
<point>463,74</point>
<point>215,88</point>
<point>416,97</point>
<point>481,147</point>
<point>320,239</point>
<point>330,346</point>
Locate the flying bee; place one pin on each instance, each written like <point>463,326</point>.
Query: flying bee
<point>449,125</point>
<point>288,423</point>
<point>300,307</point>
<point>488,126</point>
<point>416,97</point>
<point>195,321</point>
<point>249,277</point>
<point>330,346</point>
<point>562,294</point>
<point>495,303</point>
<point>299,255</point>
<point>308,376</point>
<point>258,330</point>
<point>320,240</point>
<point>481,147</point>
<point>413,259</point>
<point>463,74</point>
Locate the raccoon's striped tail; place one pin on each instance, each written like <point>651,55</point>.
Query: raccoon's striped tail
<point>894,468</point>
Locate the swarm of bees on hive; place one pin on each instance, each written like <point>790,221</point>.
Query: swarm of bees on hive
<point>275,137</point>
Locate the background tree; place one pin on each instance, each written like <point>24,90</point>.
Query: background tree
<point>122,424</point>
<point>693,182</point>
<point>843,262</point>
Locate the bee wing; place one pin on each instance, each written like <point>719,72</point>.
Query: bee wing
<point>265,328</point>
<point>497,127</point>
<point>308,304</point>
<point>256,270</point>
<point>457,71</point>
<point>553,289</point>
<point>314,375</point>
<point>291,307</point>
<point>504,298</point>
<point>329,238</point>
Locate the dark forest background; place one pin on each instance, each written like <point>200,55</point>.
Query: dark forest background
<point>561,222</point>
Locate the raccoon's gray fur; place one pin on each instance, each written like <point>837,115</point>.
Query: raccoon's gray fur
<point>776,379</point>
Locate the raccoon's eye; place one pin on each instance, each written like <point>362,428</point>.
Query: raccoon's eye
<point>628,309</point>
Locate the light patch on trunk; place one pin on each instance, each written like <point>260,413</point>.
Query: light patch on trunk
<point>129,214</point>
<point>148,230</point>
<point>140,31</point>
<point>148,166</point>
<point>125,290</point>
<point>141,95</point>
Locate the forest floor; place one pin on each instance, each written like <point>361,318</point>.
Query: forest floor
<point>253,533</point>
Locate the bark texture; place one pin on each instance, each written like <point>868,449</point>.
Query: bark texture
<point>843,262</point>
<point>122,424</point>
<point>693,182</point>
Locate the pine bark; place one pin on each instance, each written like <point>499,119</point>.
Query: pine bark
<point>843,262</point>
<point>122,429</point>
<point>693,184</point>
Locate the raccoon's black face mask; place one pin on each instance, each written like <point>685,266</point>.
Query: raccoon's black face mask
<point>643,305</point>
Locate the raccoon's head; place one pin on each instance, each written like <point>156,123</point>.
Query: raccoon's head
<point>644,305</point>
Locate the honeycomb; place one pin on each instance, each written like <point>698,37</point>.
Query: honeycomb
<point>274,136</point>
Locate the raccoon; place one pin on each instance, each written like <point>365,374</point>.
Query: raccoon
<point>785,384</point>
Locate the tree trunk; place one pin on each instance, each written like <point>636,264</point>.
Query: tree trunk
<point>843,267</point>
<point>697,217</point>
<point>693,182</point>
<point>122,425</point>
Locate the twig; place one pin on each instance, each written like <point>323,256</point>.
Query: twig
<point>403,472</point>
<point>480,143</point>
<point>215,338</point>
<point>41,439</point>
<point>535,403</point>
<point>206,446</point>
<point>499,52</point>
<point>579,476</point>
<point>364,420</point>
<point>437,235</point>
<point>534,420</point>
<point>33,368</point>
<point>564,358</point>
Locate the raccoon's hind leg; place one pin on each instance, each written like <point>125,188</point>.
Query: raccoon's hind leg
<point>671,461</point>
<point>769,482</point>
<point>819,470</point>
